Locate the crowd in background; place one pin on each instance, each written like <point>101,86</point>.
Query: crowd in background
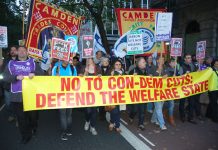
<point>104,65</point>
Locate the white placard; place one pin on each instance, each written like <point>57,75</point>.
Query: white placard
<point>163,26</point>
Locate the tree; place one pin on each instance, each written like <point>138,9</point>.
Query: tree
<point>97,10</point>
<point>11,16</point>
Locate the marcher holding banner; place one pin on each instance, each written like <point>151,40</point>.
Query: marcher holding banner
<point>212,109</point>
<point>117,70</point>
<point>168,113</point>
<point>91,112</point>
<point>157,116</point>
<point>187,67</point>
<point>14,74</point>
<point>65,69</point>
<point>138,108</point>
<point>105,71</point>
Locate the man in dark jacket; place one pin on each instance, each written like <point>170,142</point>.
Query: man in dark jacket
<point>138,108</point>
<point>6,86</point>
<point>187,67</point>
<point>14,73</point>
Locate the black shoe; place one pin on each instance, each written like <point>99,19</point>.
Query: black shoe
<point>64,137</point>
<point>141,127</point>
<point>25,140</point>
<point>192,121</point>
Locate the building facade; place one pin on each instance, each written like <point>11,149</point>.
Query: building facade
<point>196,20</point>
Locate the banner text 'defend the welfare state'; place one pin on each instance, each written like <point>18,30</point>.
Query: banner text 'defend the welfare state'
<point>76,92</point>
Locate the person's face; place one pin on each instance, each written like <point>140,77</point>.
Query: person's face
<point>188,59</point>
<point>160,61</point>
<point>201,61</point>
<point>13,52</point>
<point>99,55</point>
<point>142,64</point>
<point>65,63</point>
<point>172,64</point>
<point>209,60</point>
<point>117,65</point>
<point>78,55</point>
<point>150,60</point>
<point>216,64</point>
<point>105,63</point>
<point>90,61</point>
<point>75,62</point>
<point>22,52</point>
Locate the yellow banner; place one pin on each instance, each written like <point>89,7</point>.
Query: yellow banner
<point>142,20</point>
<point>53,92</point>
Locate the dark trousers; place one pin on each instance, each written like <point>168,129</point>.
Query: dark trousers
<point>140,109</point>
<point>115,116</point>
<point>197,105</point>
<point>91,115</point>
<point>212,109</point>
<point>190,108</point>
<point>27,121</point>
<point>102,113</point>
<point>66,119</point>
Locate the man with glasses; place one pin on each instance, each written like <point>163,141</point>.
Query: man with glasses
<point>187,67</point>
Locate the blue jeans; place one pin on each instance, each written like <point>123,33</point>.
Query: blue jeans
<point>140,109</point>
<point>115,116</point>
<point>8,103</point>
<point>170,107</point>
<point>157,116</point>
<point>149,107</point>
<point>91,115</point>
<point>66,119</point>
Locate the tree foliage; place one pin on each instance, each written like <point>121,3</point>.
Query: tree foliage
<point>11,17</point>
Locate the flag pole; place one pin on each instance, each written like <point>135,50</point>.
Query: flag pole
<point>23,18</point>
<point>147,4</point>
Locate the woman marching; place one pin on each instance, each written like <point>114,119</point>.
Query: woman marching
<point>117,70</point>
<point>91,112</point>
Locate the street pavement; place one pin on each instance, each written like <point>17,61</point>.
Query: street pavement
<point>185,136</point>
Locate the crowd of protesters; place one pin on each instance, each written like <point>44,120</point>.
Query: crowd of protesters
<point>18,65</point>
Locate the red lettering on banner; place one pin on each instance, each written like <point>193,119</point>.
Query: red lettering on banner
<point>175,93</point>
<point>188,79</point>
<point>104,98</point>
<point>40,100</point>
<point>185,91</point>
<point>98,83</point>
<point>113,97</point>
<point>111,84</point>
<point>68,84</point>
<point>64,100</point>
<point>90,98</point>
<point>65,85</point>
<point>151,82</point>
<point>121,97</point>
<point>144,96</point>
<point>169,94</point>
<point>69,99</point>
<point>60,98</point>
<point>51,100</point>
<point>150,98</point>
<point>134,95</point>
<point>162,95</point>
<point>89,81</point>
<point>129,82</point>
<point>120,83</point>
